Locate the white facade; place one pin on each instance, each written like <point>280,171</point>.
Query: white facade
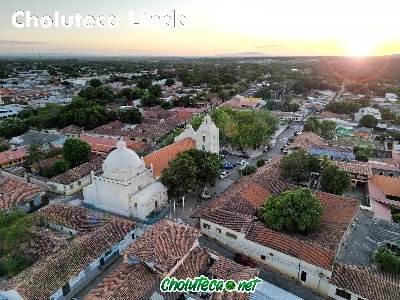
<point>316,278</point>
<point>126,187</point>
<point>367,111</point>
<point>206,137</point>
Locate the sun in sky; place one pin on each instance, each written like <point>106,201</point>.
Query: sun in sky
<point>359,48</point>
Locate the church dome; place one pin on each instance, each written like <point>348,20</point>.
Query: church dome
<point>122,163</point>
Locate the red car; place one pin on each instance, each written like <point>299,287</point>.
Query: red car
<point>244,260</point>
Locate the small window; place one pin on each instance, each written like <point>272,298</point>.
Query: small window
<point>204,148</point>
<point>204,138</point>
<point>233,236</point>
<point>206,226</point>
<point>135,205</point>
<point>271,254</point>
<point>219,230</point>
<point>263,257</point>
<point>380,173</point>
<point>66,289</point>
<point>303,276</point>
<point>343,294</point>
<point>79,183</point>
<point>133,236</point>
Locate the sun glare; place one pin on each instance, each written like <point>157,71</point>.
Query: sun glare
<point>359,49</point>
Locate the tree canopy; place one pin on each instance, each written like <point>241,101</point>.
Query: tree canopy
<point>387,260</point>
<point>368,121</point>
<point>293,211</point>
<point>208,165</point>
<point>334,180</point>
<point>180,176</point>
<point>76,152</point>
<point>298,165</point>
<point>325,129</point>
<point>244,129</point>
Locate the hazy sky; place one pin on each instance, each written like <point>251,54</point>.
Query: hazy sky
<point>280,27</point>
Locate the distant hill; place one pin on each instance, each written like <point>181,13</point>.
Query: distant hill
<point>243,54</point>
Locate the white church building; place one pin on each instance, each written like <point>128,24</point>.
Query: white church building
<point>206,137</point>
<point>126,186</point>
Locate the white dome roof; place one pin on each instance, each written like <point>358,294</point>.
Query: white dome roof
<point>122,162</point>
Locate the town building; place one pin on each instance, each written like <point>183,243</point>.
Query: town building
<point>19,194</point>
<point>290,116</point>
<point>12,158</point>
<point>367,111</point>
<point>360,173</point>
<point>363,133</point>
<point>41,138</point>
<point>354,274</point>
<point>206,137</point>
<point>126,186</point>
<point>86,241</point>
<point>241,104</point>
<point>231,219</point>
<point>168,249</point>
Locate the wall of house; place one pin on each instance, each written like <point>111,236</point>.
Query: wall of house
<point>69,189</point>
<point>333,290</point>
<point>316,278</point>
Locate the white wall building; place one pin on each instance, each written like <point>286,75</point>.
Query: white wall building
<point>206,137</point>
<point>126,186</point>
<point>367,111</point>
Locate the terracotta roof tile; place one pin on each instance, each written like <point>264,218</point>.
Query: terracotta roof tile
<point>10,155</point>
<point>14,192</point>
<point>368,283</point>
<point>354,168</point>
<point>163,244</point>
<point>390,186</point>
<point>161,158</point>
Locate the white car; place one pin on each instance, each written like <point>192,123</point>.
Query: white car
<point>224,175</point>
<point>243,163</point>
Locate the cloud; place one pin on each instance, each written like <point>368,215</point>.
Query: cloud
<point>16,43</point>
<point>270,46</point>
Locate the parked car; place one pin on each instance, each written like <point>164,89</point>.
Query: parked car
<point>243,162</point>
<point>229,165</point>
<point>244,156</point>
<point>223,175</point>
<point>244,260</point>
<point>224,152</point>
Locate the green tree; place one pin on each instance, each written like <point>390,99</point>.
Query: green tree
<point>208,165</point>
<point>149,100</point>
<point>131,115</point>
<point>327,130</point>
<point>76,152</point>
<point>298,165</point>
<point>95,83</point>
<point>155,90</point>
<point>143,83</point>
<point>334,180</point>
<point>35,155</point>
<point>169,82</point>
<point>368,121</point>
<point>248,170</point>
<point>60,166</point>
<point>293,211</point>
<point>387,114</point>
<point>180,176</point>
<point>387,260</point>
<point>260,162</point>
<point>312,124</point>
<point>3,147</point>
<point>12,127</point>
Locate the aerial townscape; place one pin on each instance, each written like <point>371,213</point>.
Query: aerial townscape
<point>188,174</point>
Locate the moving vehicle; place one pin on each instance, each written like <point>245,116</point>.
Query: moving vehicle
<point>223,175</point>
<point>244,260</point>
<point>243,162</point>
<point>229,165</point>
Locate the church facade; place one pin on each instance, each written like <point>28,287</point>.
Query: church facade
<point>126,186</point>
<point>206,137</point>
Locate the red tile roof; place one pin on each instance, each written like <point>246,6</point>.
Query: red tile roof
<point>105,145</point>
<point>161,158</point>
<point>164,244</point>
<point>354,168</point>
<point>10,155</point>
<point>237,207</point>
<point>366,282</point>
<point>390,186</point>
<point>240,104</point>
<point>14,192</point>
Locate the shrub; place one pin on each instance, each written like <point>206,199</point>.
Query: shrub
<point>260,163</point>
